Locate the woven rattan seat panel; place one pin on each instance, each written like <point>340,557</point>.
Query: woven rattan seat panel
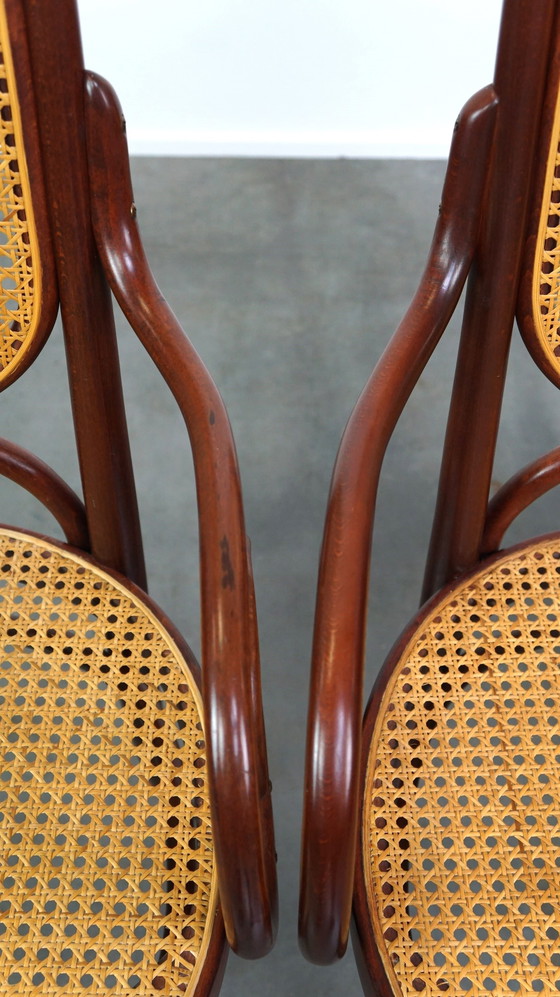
<point>106,852</point>
<point>20,274</point>
<point>462,812</point>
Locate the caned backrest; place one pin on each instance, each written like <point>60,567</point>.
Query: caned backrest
<point>539,304</point>
<point>25,258</point>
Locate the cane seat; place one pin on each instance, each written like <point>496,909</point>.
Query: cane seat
<point>461,818</point>
<point>108,881</point>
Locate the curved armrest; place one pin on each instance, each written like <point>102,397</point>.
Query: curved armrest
<point>525,487</point>
<point>27,470</point>
<point>334,731</point>
<point>239,784</point>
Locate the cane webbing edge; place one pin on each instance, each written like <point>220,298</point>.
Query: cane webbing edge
<point>546,267</point>
<point>117,853</point>
<point>20,264</point>
<point>461,817</point>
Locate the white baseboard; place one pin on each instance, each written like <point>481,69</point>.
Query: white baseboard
<point>415,144</point>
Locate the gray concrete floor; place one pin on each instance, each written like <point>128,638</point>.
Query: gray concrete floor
<point>289,277</point>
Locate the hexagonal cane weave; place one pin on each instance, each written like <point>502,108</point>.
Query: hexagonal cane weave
<point>462,816</point>
<point>20,273</point>
<point>105,845</point>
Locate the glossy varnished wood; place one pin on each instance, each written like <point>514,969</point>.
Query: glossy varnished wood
<point>27,470</point>
<point>521,71</point>
<point>481,229</point>
<point>95,386</point>
<point>333,745</point>
<point>240,787</point>
<point>524,488</point>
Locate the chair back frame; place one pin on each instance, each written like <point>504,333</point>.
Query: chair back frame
<point>491,296</point>
<point>89,329</point>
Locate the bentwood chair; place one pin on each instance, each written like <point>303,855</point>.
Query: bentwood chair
<point>135,820</point>
<point>440,814</point>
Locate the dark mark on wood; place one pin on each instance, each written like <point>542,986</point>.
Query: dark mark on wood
<point>228,577</point>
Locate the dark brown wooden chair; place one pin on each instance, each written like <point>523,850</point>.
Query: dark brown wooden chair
<point>438,817</point>
<point>135,816</point>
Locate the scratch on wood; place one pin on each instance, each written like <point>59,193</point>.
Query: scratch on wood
<point>228,577</point>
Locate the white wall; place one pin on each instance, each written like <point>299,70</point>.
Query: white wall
<point>291,77</point>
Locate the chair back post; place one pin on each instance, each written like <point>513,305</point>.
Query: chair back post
<point>89,330</point>
<point>521,69</point>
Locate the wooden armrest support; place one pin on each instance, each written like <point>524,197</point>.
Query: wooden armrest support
<point>27,470</point>
<point>532,481</point>
<point>239,784</point>
<point>334,731</point>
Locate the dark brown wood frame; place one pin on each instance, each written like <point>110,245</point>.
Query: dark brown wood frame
<point>480,231</point>
<point>96,247</point>
<point>231,682</point>
<point>27,470</point>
